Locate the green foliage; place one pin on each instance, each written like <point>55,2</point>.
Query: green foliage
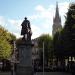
<point>5,43</point>
<point>70,31</point>
<point>5,48</point>
<point>59,44</point>
<point>47,39</point>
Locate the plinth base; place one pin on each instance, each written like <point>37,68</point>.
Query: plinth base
<point>23,70</point>
<point>24,67</point>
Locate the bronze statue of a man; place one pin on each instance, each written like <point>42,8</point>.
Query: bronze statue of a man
<point>26,29</point>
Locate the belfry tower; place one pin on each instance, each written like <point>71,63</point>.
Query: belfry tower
<point>56,21</point>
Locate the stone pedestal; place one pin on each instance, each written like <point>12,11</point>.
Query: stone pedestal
<point>24,67</point>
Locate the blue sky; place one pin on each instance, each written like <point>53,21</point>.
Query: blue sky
<point>39,12</point>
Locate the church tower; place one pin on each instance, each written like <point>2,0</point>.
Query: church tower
<point>56,21</point>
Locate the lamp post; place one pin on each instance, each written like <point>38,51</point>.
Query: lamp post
<point>43,58</point>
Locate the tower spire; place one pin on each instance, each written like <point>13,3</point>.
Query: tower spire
<point>57,10</point>
<point>56,21</point>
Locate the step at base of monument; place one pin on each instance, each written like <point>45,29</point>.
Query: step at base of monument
<point>24,70</point>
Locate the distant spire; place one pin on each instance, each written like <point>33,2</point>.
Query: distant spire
<point>56,21</point>
<point>57,10</point>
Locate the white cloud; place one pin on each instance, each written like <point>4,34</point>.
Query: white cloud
<point>15,22</point>
<point>39,8</point>
<point>44,14</point>
<point>3,21</point>
<point>33,17</point>
<point>35,35</point>
<point>63,7</point>
<point>35,31</point>
<point>35,28</point>
<point>17,35</point>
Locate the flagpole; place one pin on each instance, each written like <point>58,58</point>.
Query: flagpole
<point>43,58</point>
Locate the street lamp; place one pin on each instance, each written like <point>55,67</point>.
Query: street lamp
<point>43,58</point>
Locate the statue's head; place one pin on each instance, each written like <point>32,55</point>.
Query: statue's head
<point>25,18</point>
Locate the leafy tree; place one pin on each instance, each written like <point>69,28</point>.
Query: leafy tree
<point>70,31</point>
<point>46,38</point>
<point>5,43</point>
